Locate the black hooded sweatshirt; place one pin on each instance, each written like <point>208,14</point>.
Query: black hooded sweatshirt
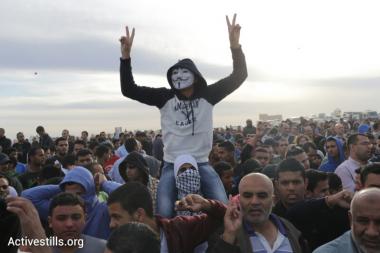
<point>186,123</point>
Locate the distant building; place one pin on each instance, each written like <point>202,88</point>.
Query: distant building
<point>266,117</point>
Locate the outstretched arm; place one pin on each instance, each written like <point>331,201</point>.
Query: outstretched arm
<point>219,90</point>
<point>146,95</point>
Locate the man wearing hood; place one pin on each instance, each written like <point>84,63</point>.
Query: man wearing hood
<point>186,114</point>
<point>335,154</point>
<point>79,181</point>
<point>135,168</point>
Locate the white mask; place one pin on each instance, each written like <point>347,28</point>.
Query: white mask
<point>182,78</point>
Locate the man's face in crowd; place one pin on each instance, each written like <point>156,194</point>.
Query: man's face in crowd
<point>62,147</point>
<point>39,158</point>
<point>133,172</point>
<point>224,155</point>
<point>373,180</point>
<point>84,135</point>
<point>365,224</point>
<point>85,160</point>
<point>2,132</point>
<point>282,147</point>
<point>67,221</point>
<point>339,129</point>
<point>65,134</point>
<point>118,215</point>
<point>256,199</point>
<point>227,179</point>
<point>4,187</point>
<point>309,132</point>
<point>77,147</point>
<point>362,148</point>
<point>285,129</point>
<point>262,157</point>
<point>291,187</point>
<point>332,149</point>
<point>303,159</point>
<point>20,137</point>
<point>76,189</point>
<point>320,191</point>
<point>314,158</point>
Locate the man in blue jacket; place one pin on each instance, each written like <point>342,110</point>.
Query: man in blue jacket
<point>81,182</point>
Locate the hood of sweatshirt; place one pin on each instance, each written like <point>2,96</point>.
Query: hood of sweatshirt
<point>199,82</point>
<point>83,177</point>
<point>332,164</point>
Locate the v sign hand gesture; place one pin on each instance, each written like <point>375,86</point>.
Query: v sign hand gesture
<point>234,32</point>
<point>126,43</point>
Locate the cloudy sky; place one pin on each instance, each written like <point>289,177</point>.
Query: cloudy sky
<point>59,60</point>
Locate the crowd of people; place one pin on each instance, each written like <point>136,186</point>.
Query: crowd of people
<point>293,187</point>
<point>294,178</point>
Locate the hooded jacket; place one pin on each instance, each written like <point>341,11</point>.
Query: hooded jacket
<point>186,123</point>
<point>97,220</point>
<point>139,162</point>
<point>332,164</point>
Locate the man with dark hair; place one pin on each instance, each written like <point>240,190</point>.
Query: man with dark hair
<point>262,156</point>
<point>226,152</point>
<point>281,147</point>
<point>370,175</point>
<point>22,146</point>
<point>84,157</point>
<point>36,160</point>
<point>5,170</point>
<point>335,154</point>
<point>79,145</point>
<point>133,237</point>
<point>249,128</point>
<point>335,183</point>
<point>318,184</point>
<point>132,202</point>
<point>45,140</point>
<point>226,173</point>
<point>186,113</point>
<point>312,152</point>
<point>360,151</point>
<point>67,218</point>
<point>291,184</point>
<point>61,150</point>
<point>319,220</point>
<point>5,143</point>
<point>84,136</point>
<point>300,155</point>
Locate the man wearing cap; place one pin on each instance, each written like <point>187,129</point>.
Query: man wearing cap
<point>186,114</point>
<point>5,171</point>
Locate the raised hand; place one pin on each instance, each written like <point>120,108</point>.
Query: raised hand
<point>192,202</point>
<point>233,32</point>
<point>126,43</point>
<point>29,220</point>
<point>232,220</point>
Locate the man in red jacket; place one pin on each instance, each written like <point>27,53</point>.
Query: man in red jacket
<point>132,202</point>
